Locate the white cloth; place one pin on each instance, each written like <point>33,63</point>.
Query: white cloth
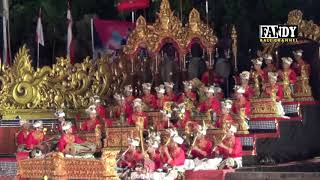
<point>280,109</point>
<point>238,161</point>
<point>204,164</point>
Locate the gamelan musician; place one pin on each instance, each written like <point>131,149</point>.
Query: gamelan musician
<point>270,67</point>
<point>36,137</point>
<point>149,99</point>
<point>62,121</point>
<point>202,146</point>
<point>226,116</point>
<point>93,122</point>
<point>132,156</point>
<point>212,103</point>
<point>161,98</point>
<point>300,65</point>
<point>22,135</point>
<point>245,77</point>
<point>101,111</point>
<point>138,118</point>
<point>171,96</point>
<point>128,100</point>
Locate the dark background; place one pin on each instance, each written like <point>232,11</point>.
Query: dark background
<point>245,14</point>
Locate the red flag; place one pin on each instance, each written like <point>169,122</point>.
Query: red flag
<point>130,5</point>
<point>70,47</point>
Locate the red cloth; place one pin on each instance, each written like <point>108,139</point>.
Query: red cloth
<point>90,125</point>
<point>204,145</point>
<point>279,91</point>
<point>249,92</point>
<point>234,143</point>
<point>270,68</point>
<point>213,103</point>
<point>131,120</point>
<point>22,137</point>
<point>128,105</point>
<point>161,101</point>
<point>65,140</point>
<point>150,100</point>
<point>292,76</point>
<point>297,67</point>
<point>171,96</point>
<point>191,95</point>
<point>216,79</point>
<point>101,110</point>
<point>243,103</point>
<point>186,118</point>
<point>262,74</point>
<point>223,119</point>
<point>207,174</point>
<point>156,158</point>
<point>22,155</point>
<point>35,138</point>
<point>178,156</point>
<point>131,158</point>
<point>130,5</point>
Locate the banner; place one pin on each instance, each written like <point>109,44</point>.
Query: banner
<point>109,36</point>
<point>131,5</point>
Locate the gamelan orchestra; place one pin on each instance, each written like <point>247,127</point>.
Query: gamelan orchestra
<point>179,141</point>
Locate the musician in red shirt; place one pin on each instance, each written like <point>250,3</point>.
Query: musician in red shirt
<point>218,93</point>
<point>68,138</point>
<point>119,107</point>
<point>203,146</point>
<point>171,96</point>
<point>128,100</point>
<point>270,67</point>
<point>101,111</point>
<point>173,154</point>
<point>300,63</point>
<point>93,122</point>
<point>241,101</point>
<point>287,72</point>
<point>225,115</point>
<point>138,115</point>
<point>36,137</point>
<point>245,77</point>
<point>188,92</point>
<point>258,72</point>
<point>22,135</point>
<point>231,149</point>
<point>62,121</point>
<point>212,102</point>
<point>132,156</point>
<point>161,97</point>
<point>153,152</point>
<point>149,99</point>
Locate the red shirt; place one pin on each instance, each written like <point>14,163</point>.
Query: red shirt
<point>292,76</point>
<point>161,101</point>
<point>156,158</point>
<point>249,92</point>
<point>90,125</point>
<point>223,119</point>
<point>68,139</point>
<point>278,88</point>
<point>178,156</point>
<point>34,138</point>
<point>213,103</point>
<point>270,68</point>
<point>22,137</point>
<point>131,159</point>
<point>234,143</point>
<point>101,110</point>
<point>243,103</point>
<point>216,79</point>
<point>132,119</point>
<point>171,96</point>
<point>128,105</point>
<point>261,74</point>
<point>150,100</point>
<point>205,145</point>
<point>298,66</point>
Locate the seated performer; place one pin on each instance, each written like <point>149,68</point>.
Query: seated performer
<point>149,99</point>
<point>287,72</point>
<point>218,92</point>
<point>161,98</point>
<point>173,154</point>
<point>36,137</point>
<point>202,146</point>
<point>101,111</point>
<point>270,67</point>
<point>241,101</point>
<point>138,118</point>
<point>300,63</point>
<point>60,115</point>
<point>275,91</point>
<point>231,149</point>
<point>132,156</point>
<point>71,144</point>
<point>93,122</point>
<point>212,103</point>
<point>245,77</point>
<point>119,107</point>
<point>153,152</point>
<point>258,76</point>
<point>225,115</point>
<point>128,100</point>
<point>171,96</point>
<point>188,94</point>
<point>22,135</point>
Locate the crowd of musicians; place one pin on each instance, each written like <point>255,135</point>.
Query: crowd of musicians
<point>183,141</point>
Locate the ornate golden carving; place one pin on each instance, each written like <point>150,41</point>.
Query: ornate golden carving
<point>109,157</point>
<point>263,107</point>
<point>287,92</point>
<point>36,93</point>
<point>169,28</point>
<point>307,29</point>
<point>303,90</point>
<point>243,125</point>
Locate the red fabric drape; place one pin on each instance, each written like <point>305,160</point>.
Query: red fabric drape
<point>130,5</point>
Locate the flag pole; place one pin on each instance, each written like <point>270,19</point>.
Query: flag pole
<point>38,57</point>
<point>92,38</point>
<point>207,12</point>
<point>9,43</point>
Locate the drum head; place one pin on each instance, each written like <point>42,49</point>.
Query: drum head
<point>223,67</point>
